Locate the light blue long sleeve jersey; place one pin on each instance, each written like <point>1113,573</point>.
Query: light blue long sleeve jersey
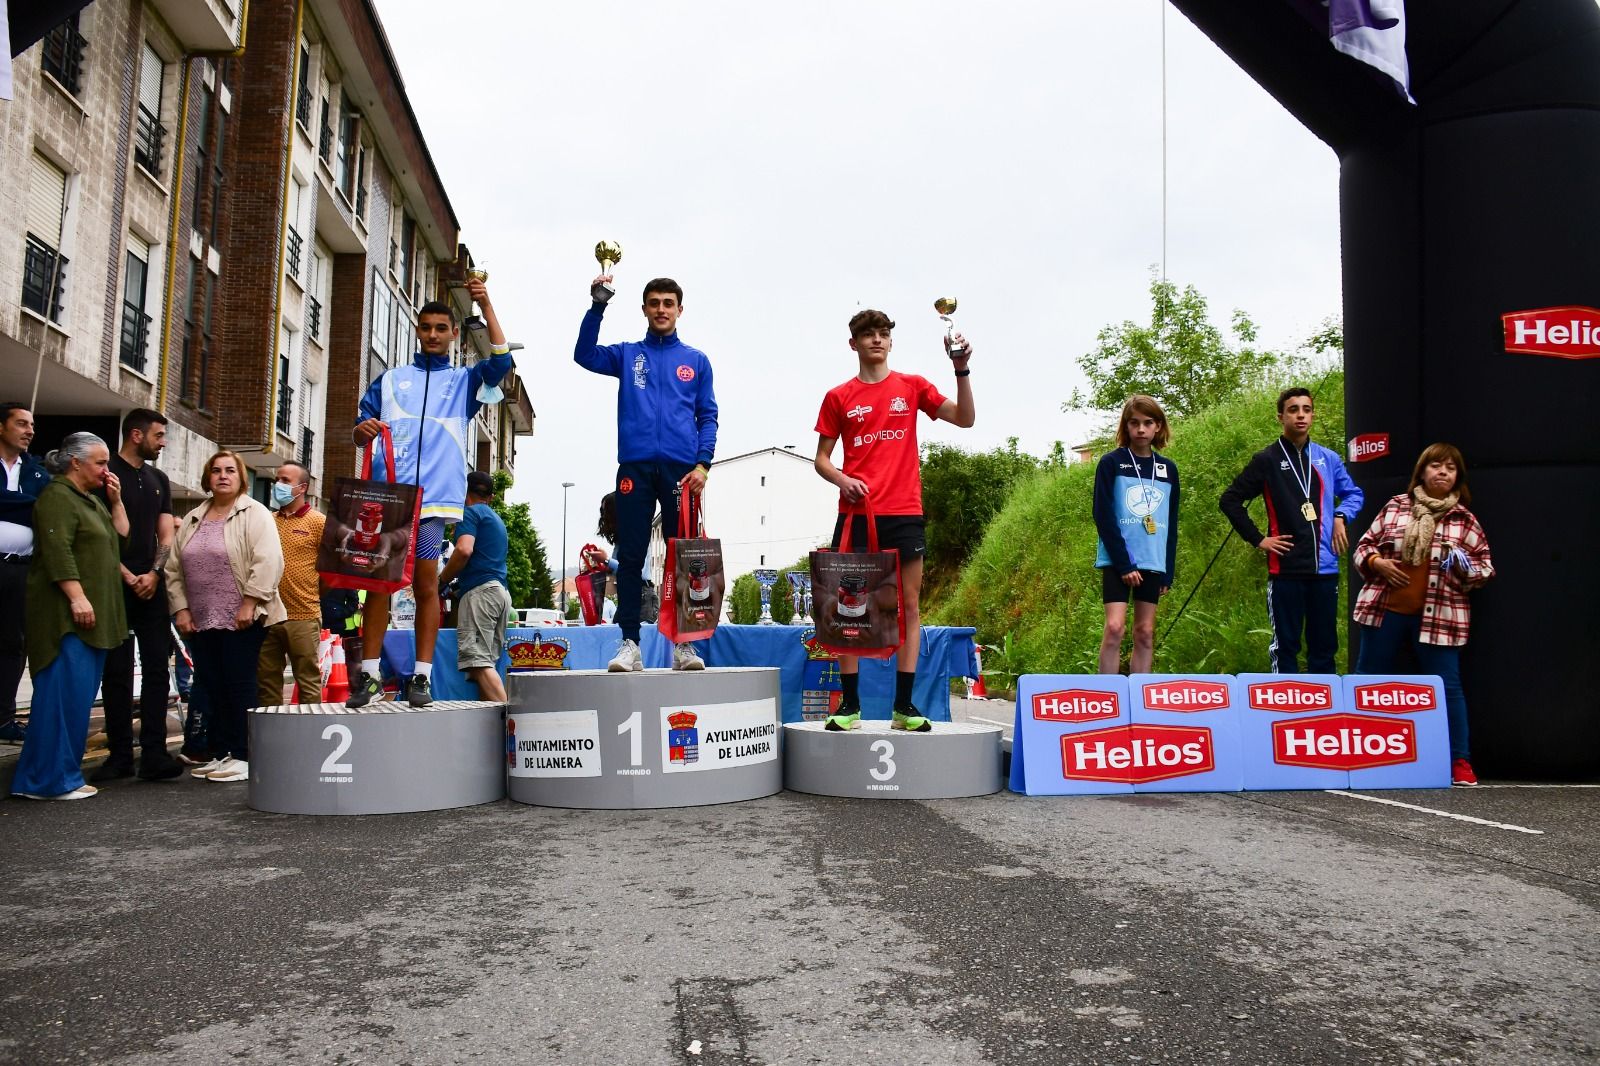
<point>397,397</point>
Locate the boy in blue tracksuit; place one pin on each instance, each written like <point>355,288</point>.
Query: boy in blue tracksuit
<point>1310,502</point>
<point>435,449</point>
<point>666,439</point>
<point>1136,515</point>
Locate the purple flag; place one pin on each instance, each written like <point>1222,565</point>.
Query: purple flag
<point>1373,31</point>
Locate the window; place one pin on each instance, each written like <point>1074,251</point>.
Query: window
<point>325,135</point>
<point>44,272</point>
<point>297,215</point>
<point>203,151</point>
<point>302,96</point>
<point>763,481</point>
<point>149,134</point>
<point>408,253</point>
<point>199,300</point>
<point>216,175</point>
<point>319,270</point>
<point>285,376</point>
<point>135,323</point>
<point>351,162</point>
<point>62,54</point>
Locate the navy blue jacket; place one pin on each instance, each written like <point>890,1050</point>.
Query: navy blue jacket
<point>18,506</point>
<point>666,408</point>
<point>1271,475</point>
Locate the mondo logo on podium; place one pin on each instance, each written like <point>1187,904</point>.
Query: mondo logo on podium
<point>1224,733</point>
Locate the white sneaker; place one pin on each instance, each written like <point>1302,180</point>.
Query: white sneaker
<point>230,770</point>
<point>684,658</point>
<point>207,767</point>
<point>627,659</point>
<point>82,792</point>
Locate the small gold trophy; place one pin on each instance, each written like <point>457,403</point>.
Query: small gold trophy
<point>946,306</point>
<point>608,254</point>
<point>479,275</point>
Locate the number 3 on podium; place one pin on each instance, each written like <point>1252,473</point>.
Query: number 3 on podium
<point>885,751</point>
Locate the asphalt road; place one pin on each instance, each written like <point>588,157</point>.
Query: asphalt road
<point>158,920</point>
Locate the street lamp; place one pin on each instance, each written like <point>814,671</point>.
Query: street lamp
<point>565,485</point>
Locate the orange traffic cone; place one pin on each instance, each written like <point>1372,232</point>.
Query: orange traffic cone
<point>336,687</point>
<point>976,690</point>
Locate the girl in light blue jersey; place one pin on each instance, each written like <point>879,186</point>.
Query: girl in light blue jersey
<point>1136,515</point>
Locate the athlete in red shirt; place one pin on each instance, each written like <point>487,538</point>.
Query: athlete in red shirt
<point>875,415</point>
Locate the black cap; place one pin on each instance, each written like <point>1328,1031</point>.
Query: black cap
<point>480,484</point>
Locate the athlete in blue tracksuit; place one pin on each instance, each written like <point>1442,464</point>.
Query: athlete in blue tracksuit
<point>666,439</point>
<point>428,407</point>
<point>1310,501</point>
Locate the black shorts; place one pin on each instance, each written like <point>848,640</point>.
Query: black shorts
<point>1112,590</point>
<point>905,533</point>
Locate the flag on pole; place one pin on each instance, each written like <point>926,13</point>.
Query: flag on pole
<point>1373,31</point>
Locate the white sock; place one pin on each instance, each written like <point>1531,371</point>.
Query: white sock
<point>370,667</point>
<point>422,669</point>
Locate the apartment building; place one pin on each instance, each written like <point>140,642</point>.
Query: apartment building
<point>230,215</point>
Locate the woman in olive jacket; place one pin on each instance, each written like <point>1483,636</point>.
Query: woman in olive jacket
<point>75,614</point>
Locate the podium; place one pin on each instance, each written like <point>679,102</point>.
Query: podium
<point>386,758</point>
<point>655,738</point>
<point>874,761</point>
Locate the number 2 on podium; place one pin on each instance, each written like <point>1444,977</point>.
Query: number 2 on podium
<point>332,765</point>
<point>635,740</point>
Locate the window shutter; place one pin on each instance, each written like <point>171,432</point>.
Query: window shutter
<point>150,71</point>
<point>47,196</point>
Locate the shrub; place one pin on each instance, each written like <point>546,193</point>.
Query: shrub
<point>744,602</point>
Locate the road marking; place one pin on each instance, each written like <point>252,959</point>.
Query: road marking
<point>1442,814</point>
<point>990,721</point>
<point>1554,785</point>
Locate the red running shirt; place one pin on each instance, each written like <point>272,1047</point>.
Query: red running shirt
<point>878,425</point>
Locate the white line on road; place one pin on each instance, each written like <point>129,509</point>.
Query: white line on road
<point>990,721</point>
<point>1441,814</point>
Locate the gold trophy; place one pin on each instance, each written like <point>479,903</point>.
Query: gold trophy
<point>946,306</point>
<point>608,254</point>
<point>478,274</point>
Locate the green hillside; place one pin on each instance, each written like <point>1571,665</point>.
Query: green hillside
<point>1033,577</point>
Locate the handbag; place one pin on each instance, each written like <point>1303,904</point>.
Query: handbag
<point>692,580</point>
<point>370,538</point>
<point>856,596</point>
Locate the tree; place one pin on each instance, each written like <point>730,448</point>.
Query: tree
<point>744,601</point>
<point>961,492</point>
<point>782,602</point>
<point>1180,358</point>
<point>527,569</point>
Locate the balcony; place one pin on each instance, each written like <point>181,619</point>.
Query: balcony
<point>285,407</point>
<point>44,275</point>
<point>62,55</point>
<point>135,336</point>
<point>308,443</point>
<point>293,253</point>
<point>314,318</point>
<point>201,25</point>
<point>148,135</point>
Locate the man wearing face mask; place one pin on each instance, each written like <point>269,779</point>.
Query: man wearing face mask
<point>299,531</point>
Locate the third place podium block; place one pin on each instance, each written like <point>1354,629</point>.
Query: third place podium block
<point>954,759</point>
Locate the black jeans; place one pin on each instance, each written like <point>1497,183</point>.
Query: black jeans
<point>1309,603</point>
<point>152,628</point>
<point>225,668</point>
<point>13,634</point>
<point>640,486</point>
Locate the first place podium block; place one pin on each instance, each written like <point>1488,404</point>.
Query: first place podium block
<point>656,738</point>
<point>954,759</point>
<point>386,758</point>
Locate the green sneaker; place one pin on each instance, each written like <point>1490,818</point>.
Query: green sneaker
<point>910,720</point>
<point>844,721</point>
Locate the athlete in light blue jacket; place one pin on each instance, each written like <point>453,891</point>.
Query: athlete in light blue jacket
<point>428,407</point>
<point>666,439</point>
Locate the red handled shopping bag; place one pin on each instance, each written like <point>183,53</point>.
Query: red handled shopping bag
<point>591,585</point>
<point>692,580</point>
<point>369,540</point>
<point>856,596</point>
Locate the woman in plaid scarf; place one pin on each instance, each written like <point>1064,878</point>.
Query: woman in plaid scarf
<point>1421,556</point>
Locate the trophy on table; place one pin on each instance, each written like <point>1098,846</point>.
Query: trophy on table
<point>608,254</point>
<point>946,306</point>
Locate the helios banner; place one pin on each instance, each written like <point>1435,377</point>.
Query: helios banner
<point>1570,332</point>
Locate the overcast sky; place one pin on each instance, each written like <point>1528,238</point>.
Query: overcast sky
<point>791,164</point>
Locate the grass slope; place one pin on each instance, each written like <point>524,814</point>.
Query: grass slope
<point>1033,577</point>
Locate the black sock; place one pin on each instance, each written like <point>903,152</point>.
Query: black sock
<point>851,683</point>
<point>902,688</point>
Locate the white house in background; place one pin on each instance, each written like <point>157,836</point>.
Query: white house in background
<point>768,507</point>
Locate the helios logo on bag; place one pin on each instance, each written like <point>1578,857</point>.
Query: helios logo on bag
<point>1186,696</point>
<point>1366,447</point>
<point>1075,705</point>
<point>1396,697</point>
<point>1569,332</point>
<point>1344,742</point>
<point>1137,753</point>
<point>1291,696</point>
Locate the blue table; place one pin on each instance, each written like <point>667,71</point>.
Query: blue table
<point>947,652</point>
